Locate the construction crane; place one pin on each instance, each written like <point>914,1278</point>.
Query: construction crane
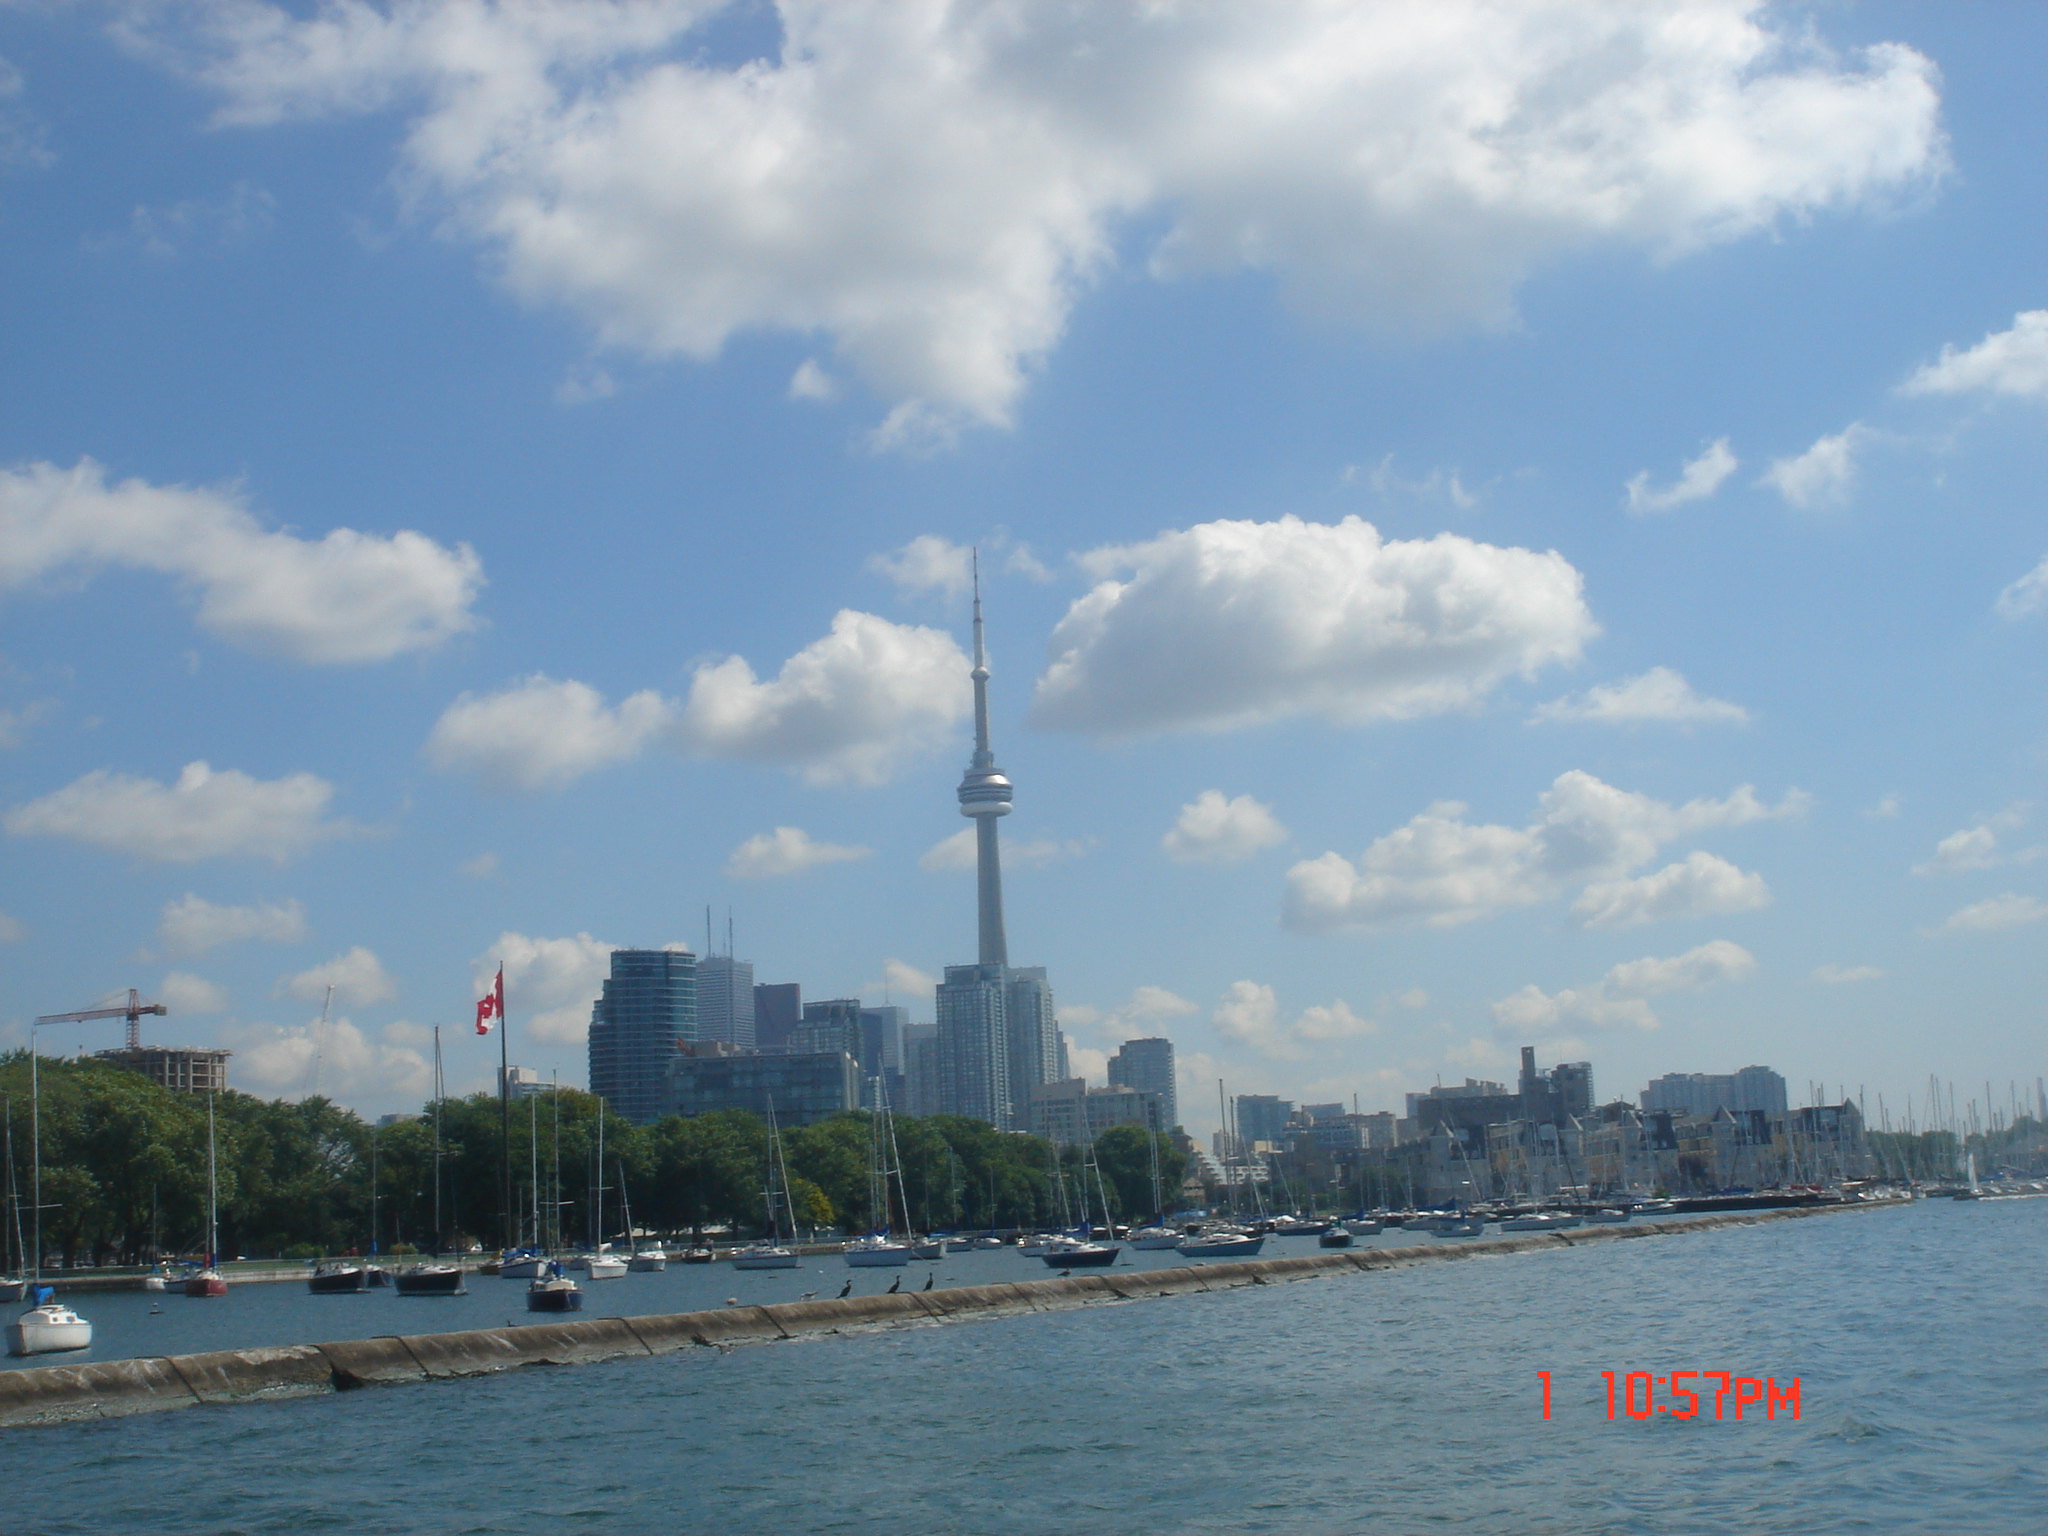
<point>132,1013</point>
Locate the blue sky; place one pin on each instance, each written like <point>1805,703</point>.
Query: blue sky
<point>1501,523</point>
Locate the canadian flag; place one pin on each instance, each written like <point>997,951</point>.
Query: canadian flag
<point>490,1008</point>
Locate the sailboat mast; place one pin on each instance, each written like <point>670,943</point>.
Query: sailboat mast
<point>438,1090</point>
<point>212,1192</point>
<point>35,1142</point>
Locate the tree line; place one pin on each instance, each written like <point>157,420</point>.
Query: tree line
<point>124,1171</point>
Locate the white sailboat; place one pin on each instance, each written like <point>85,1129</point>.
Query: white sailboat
<point>879,1249</point>
<point>47,1327</point>
<point>771,1252</point>
<point>210,1281</point>
<point>13,1277</point>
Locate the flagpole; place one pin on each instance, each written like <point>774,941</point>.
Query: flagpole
<point>504,1120</point>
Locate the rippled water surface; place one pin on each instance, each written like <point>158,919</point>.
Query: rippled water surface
<point>1399,1401</point>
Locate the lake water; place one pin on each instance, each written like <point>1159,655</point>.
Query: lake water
<point>1405,1400</point>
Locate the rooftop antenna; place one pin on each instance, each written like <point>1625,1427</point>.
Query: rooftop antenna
<point>707,929</point>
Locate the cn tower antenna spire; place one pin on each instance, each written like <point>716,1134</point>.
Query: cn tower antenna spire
<point>985,795</point>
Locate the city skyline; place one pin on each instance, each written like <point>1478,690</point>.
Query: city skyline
<point>1572,576</point>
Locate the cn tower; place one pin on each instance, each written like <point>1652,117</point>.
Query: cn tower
<point>985,795</point>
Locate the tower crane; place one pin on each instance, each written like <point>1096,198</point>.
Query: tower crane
<point>132,1013</point>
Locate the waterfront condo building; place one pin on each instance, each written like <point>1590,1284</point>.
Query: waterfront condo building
<point>648,1007</point>
<point>1147,1066</point>
<point>725,1000</point>
<point>801,1087</point>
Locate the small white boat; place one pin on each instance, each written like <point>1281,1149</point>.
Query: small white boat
<point>604,1266</point>
<point>1362,1226</point>
<point>1036,1247</point>
<point>875,1251</point>
<point>988,1242</point>
<point>522,1266</point>
<point>48,1329</point>
<point>1223,1243</point>
<point>764,1256</point>
<point>926,1249</point>
<point>1607,1217</point>
<point>648,1261</point>
<point>1155,1238</point>
<point>158,1279</point>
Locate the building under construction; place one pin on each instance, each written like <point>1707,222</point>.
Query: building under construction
<point>179,1068</point>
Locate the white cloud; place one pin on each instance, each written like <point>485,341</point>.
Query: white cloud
<point>1619,1000</point>
<point>584,385</point>
<point>14,723</point>
<point>483,867</point>
<point>2027,596</point>
<point>1659,695</point>
<point>240,216</point>
<point>12,929</point>
<point>1439,485</point>
<point>1846,975</point>
<point>2009,910</point>
<point>1144,1012</point>
<point>184,993</point>
<point>1443,870</point>
<point>335,1060</point>
<point>204,815</point>
<point>357,977</point>
<point>905,983</point>
<point>2011,362</point>
<point>956,854</point>
<point>347,597</point>
<point>1886,808</point>
<point>1020,561</point>
<point>933,187</point>
<point>543,734</point>
<point>1977,847</point>
<point>811,382</point>
<point>549,983</point>
<point>1215,830</point>
<point>852,706</point>
<point>1821,476</point>
<point>786,851</point>
<point>928,563</point>
<point>1234,623</point>
<point>191,925</point>
<point>1249,1013</point>
<point>1700,886</point>
<point>1698,480</point>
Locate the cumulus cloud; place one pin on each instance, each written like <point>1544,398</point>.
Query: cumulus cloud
<point>1698,480</point>
<point>956,854</point>
<point>1620,999</point>
<point>853,706</point>
<point>1659,696</point>
<point>357,976</point>
<point>905,983</point>
<point>811,382</point>
<point>933,187</point>
<point>1832,975</point>
<point>787,851</point>
<point>1821,476</point>
<point>1443,870</point>
<point>191,925</point>
<point>346,597</point>
<point>928,563</point>
<point>335,1059</point>
<point>12,929</point>
<point>543,734</point>
<point>1978,846</point>
<point>184,993</point>
<point>1700,886</point>
<point>204,815</point>
<point>1249,1013</point>
<point>549,983</point>
<point>1214,830</point>
<point>1995,913</point>
<point>2027,596</point>
<point>1235,623</point>
<point>242,215</point>
<point>2010,362</point>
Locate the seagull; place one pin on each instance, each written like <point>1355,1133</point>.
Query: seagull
<point>808,1295</point>
<point>895,1285</point>
<point>846,1290</point>
<point>928,1279</point>
<point>732,1301</point>
<point>1065,1273</point>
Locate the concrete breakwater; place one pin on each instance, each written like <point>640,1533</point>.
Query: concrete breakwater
<point>116,1388</point>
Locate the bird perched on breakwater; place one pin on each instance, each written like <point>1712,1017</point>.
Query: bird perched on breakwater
<point>732,1301</point>
<point>808,1296</point>
<point>846,1290</point>
<point>928,1279</point>
<point>895,1285</point>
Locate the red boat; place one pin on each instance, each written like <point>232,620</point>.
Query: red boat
<point>206,1282</point>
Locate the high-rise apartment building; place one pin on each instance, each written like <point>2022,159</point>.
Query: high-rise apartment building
<point>832,1024</point>
<point>725,1000</point>
<point>974,1044</point>
<point>1262,1117</point>
<point>1699,1094</point>
<point>647,1008</point>
<point>1147,1065</point>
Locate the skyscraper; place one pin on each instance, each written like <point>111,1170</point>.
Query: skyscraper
<point>648,1007</point>
<point>998,1035</point>
<point>1147,1065</point>
<point>725,1000</point>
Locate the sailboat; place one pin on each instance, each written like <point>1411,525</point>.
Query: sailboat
<point>1157,1235</point>
<point>601,1262</point>
<point>434,1277</point>
<point>48,1326</point>
<point>209,1281</point>
<point>877,1249</point>
<point>770,1252</point>
<point>1080,1250</point>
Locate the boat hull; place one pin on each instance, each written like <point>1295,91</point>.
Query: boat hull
<point>697,1256</point>
<point>606,1269</point>
<point>893,1256</point>
<point>48,1331</point>
<point>205,1283</point>
<point>338,1282</point>
<point>775,1258</point>
<point>1336,1237</point>
<point>1223,1248</point>
<point>1093,1256</point>
<point>554,1296</point>
<point>648,1263</point>
<point>14,1290</point>
<point>522,1269</point>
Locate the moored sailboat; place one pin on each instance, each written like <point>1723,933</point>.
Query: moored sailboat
<point>208,1280</point>
<point>771,1252</point>
<point>47,1327</point>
